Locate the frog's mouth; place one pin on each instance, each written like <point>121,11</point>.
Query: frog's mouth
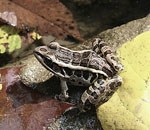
<point>48,63</point>
<point>44,60</point>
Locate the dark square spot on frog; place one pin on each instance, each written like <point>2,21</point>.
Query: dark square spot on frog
<point>80,83</point>
<point>86,54</point>
<point>85,75</point>
<point>100,79</point>
<point>76,55</point>
<point>103,100</point>
<point>89,91</point>
<point>100,87</point>
<point>108,72</point>
<point>64,52</point>
<point>75,62</point>
<point>78,73</point>
<point>63,58</point>
<point>94,64</point>
<point>84,62</point>
<point>56,68</point>
<point>76,58</point>
<point>73,80</point>
<point>95,46</point>
<point>66,60</point>
<point>109,93</point>
<point>93,77</point>
<point>102,44</point>
<point>119,83</point>
<point>94,94</point>
<point>107,52</point>
<point>68,71</point>
<point>48,62</point>
<point>112,85</point>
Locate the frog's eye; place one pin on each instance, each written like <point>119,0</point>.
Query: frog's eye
<point>43,49</point>
<point>53,45</point>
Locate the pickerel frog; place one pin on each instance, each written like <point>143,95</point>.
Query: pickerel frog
<point>96,69</point>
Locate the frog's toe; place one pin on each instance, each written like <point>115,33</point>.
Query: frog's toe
<point>62,97</point>
<point>66,96</point>
<point>84,107</point>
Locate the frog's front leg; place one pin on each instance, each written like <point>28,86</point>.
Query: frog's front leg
<point>64,89</point>
<point>101,91</point>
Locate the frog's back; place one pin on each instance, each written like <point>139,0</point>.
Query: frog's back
<point>86,60</point>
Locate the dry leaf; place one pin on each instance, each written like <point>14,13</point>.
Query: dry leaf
<point>45,17</point>
<point>130,105</point>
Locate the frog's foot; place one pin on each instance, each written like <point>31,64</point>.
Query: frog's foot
<point>101,91</point>
<point>61,97</point>
<point>84,107</point>
<point>101,48</point>
<point>64,95</point>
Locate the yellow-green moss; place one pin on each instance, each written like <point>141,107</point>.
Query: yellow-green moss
<point>9,39</point>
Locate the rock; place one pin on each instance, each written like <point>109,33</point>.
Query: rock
<point>119,35</point>
<point>33,72</point>
<point>74,121</point>
<point>126,32</point>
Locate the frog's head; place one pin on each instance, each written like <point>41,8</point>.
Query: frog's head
<point>46,54</point>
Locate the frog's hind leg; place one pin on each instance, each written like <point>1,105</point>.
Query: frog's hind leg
<point>101,48</point>
<point>101,91</point>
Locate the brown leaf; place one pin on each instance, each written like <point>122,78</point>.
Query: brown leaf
<point>22,108</point>
<point>32,116</point>
<point>9,76</point>
<point>47,16</point>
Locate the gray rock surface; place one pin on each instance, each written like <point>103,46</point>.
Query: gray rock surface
<point>121,34</point>
<point>126,32</point>
<point>33,72</point>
